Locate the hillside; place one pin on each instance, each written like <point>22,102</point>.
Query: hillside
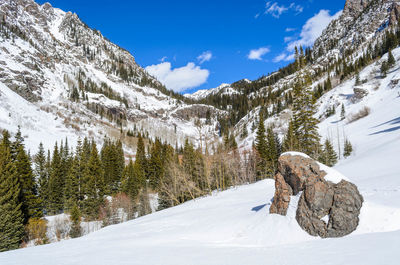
<point>197,191</point>
<point>235,227</point>
<point>57,69</point>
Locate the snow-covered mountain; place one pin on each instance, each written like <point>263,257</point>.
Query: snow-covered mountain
<point>59,78</point>
<point>223,89</point>
<point>37,79</point>
<point>235,227</point>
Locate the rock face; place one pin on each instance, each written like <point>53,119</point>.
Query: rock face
<point>354,7</point>
<point>325,209</point>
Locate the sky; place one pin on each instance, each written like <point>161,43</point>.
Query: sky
<point>192,45</point>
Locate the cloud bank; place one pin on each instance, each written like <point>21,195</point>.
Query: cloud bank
<point>181,78</point>
<point>257,54</point>
<point>310,31</point>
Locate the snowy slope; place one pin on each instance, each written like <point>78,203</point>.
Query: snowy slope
<point>221,90</point>
<point>234,227</point>
<point>46,53</point>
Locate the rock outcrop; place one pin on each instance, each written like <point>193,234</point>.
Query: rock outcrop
<point>325,208</point>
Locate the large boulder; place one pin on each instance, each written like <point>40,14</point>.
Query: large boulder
<point>329,205</point>
<point>283,191</point>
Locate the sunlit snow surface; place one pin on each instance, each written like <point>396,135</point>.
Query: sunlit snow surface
<point>234,226</point>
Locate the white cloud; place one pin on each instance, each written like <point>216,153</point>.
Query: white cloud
<point>290,29</point>
<point>284,57</point>
<point>163,59</point>
<point>179,79</point>
<point>313,29</point>
<point>257,54</point>
<point>276,10</point>
<point>204,57</point>
<point>287,39</point>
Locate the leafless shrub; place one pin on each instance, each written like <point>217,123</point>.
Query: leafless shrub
<point>364,112</point>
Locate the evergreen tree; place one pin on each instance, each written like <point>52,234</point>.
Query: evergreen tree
<point>329,156</point>
<point>93,184</point>
<point>42,175</point>
<point>305,125</point>
<point>384,68</point>
<point>342,113</point>
<point>141,155</point>
<point>56,183</point>
<point>155,165</point>
<point>133,180</point>
<point>11,216</point>
<point>31,204</point>
<point>273,152</point>
<point>290,142</point>
<point>348,148</point>
<point>261,147</point>
<point>391,60</point>
<point>75,217</point>
<point>71,190</point>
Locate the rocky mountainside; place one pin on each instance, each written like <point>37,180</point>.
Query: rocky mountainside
<point>337,55</point>
<point>60,78</point>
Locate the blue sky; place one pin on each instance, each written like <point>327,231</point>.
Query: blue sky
<point>191,45</point>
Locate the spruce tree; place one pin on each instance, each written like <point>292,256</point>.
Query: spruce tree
<point>75,217</point>
<point>56,183</point>
<point>305,125</point>
<point>71,189</point>
<point>11,216</point>
<point>133,179</point>
<point>261,147</point>
<point>31,204</point>
<point>273,153</point>
<point>290,142</point>
<point>42,175</point>
<point>384,68</point>
<point>329,156</point>
<point>342,113</point>
<point>391,60</point>
<point>93,184</point>
<point>348,148</point>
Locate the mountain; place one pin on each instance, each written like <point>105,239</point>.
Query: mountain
<point>221,90</point>
<point>354,85</point>
<point>59,78</point>
<point>235,227</point>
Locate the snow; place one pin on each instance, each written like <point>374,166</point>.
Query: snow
<point>332,175</point>
<point>325,219</point>
<point>292,153</point>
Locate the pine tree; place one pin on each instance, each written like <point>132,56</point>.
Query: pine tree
<point>11,216</point>
<point>358,82</point>
<point>71,189</point>
<point>348,148</point>
<point>384,68</point>
<point>391,60</point>
<point>31,204</point>
<point>42,175</point>
<point>141,155</point>
<point>75,217</point>
<point>329,156</point>
<point>133,179</point>
<point>155,165</point>
<point>290,142</point>
<point>273,153</point>
<point>56,183</point>
<point>343,113</point>
<point>305,125</point>
<point>93,184</point>
<point>261,147</point>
